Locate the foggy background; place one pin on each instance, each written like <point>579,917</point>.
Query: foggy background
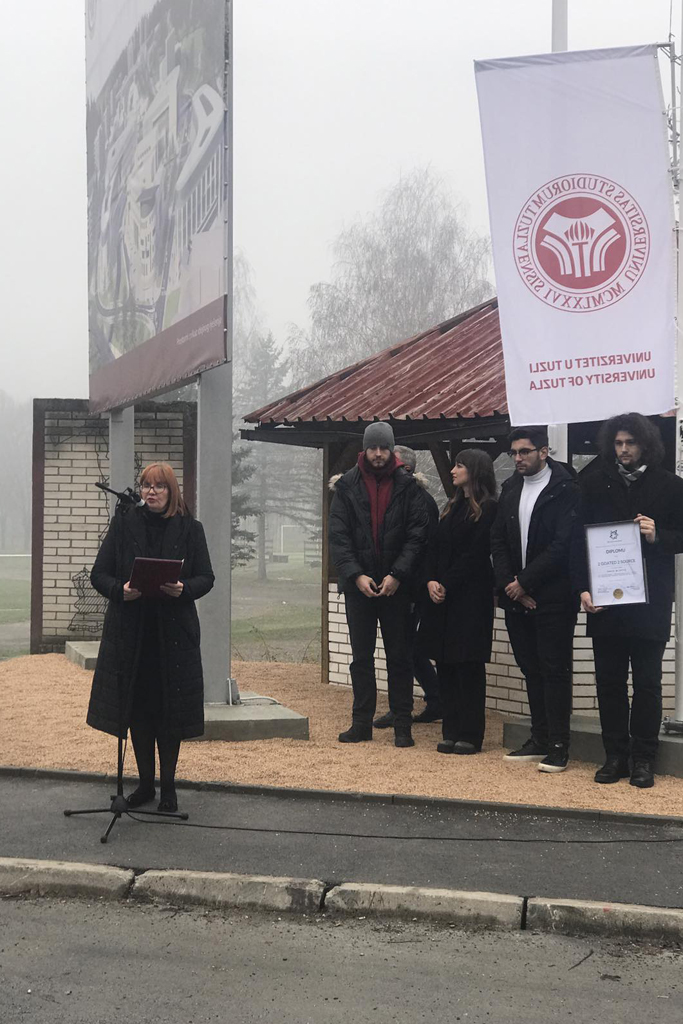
<point>357,156</point>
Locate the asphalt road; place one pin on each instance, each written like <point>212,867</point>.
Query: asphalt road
<point>80,962</point>
<point>366,842</point>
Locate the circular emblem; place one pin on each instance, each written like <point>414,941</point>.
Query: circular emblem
<point>617,594</point>
<point>581,243</point>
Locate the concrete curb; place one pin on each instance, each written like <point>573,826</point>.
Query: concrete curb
<point>467,910</point>
<point>471,910</point>
<point>60,878</point>
<point>608,920</point>
<point>341,795</point>
<point>215,889</point>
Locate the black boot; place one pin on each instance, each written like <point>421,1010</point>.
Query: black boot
<point>403,736</point>
<point>142,735</point>
<point>358,733</point>
<point>643,774</point>
<point>384,721</point>
<point>169,748</point>
<point>432,713</point>
<point>613,769</point>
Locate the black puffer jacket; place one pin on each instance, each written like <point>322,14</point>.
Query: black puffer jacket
<point>175,619</point>
<point>546,575</point>
<point>606,498</point>
<point>403,535</point>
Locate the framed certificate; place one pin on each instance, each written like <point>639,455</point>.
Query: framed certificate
<point>616,566</point>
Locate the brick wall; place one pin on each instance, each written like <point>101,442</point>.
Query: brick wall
<point>505,686</point>
<point>70,515</point>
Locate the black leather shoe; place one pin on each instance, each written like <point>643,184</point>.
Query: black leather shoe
<point>643,774</point>
<point>356,734</point>
<point>446,747</point>
<point>428,715</point>
<point>463,747</point>
<point>403,738</point>
<point>141,796</point>
<point>613,769</point>
<point>384,721</point>
<point>168,803</point>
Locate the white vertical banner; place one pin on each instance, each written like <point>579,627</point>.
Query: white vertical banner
<point>582,223</point>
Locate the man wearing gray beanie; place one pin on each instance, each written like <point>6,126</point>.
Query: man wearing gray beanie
<point>378,532</point>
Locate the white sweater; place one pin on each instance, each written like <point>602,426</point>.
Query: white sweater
<point>533,485</point>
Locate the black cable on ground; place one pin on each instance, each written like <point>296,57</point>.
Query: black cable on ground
<point>403,838</point>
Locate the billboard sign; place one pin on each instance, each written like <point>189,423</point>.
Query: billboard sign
<point>158,198</point>
<point>582,224</point>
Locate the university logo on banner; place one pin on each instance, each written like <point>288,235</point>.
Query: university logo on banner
<point>582,223</point>
<point>581,242</point>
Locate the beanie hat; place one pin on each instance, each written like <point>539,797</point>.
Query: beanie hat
<point>378,435</point>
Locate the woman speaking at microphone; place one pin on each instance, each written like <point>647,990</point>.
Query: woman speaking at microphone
<point>149,671</point>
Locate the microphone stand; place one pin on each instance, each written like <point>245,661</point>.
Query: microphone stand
<point>119,805</point>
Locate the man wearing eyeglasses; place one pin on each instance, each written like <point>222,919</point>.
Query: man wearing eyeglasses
<point>629,482</point>
<point>530,544</point>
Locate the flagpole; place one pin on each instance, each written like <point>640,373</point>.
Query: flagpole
<point>676,724</point>
<point>557,432</point>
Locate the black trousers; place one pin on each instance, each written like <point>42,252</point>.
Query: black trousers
<point>463,701</point>
<point>423,670</point>
<point>633,730</point>
<point>542,646</point>
<point>393,615</point>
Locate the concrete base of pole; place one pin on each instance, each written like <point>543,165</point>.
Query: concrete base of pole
<point>586,743</point>
<point>238,722</point>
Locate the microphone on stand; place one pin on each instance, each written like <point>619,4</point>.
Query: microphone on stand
<point>128,497</point>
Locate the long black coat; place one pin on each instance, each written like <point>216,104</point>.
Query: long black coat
<point>606,498</point>
<point>461,629</point>
<point>402,537</point>
<point>546,574</point>
<point>180,666</point>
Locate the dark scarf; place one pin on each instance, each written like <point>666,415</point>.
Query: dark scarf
<point>379,484</point>
<point>630,476</point>
<point>155,528</point>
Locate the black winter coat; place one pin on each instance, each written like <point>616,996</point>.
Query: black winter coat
<point>461,629</point>
<point>546,575</point>
<point>422,574</point>
<point>606,498</point>
<point>402,538</point>
<point>175,619</point>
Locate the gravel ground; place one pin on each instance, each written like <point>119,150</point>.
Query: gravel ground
<point>43,701</point>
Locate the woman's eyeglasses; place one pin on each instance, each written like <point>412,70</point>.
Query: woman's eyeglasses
<point>153,487</point>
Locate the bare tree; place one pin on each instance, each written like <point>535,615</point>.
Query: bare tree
<point>410,265</point>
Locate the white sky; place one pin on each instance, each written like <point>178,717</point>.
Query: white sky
<point>333,100</point>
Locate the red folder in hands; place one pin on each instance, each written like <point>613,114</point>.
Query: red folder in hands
<point>149,574</point>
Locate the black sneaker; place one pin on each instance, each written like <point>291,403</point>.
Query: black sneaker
<point>556,761</point>
<point>529,751</point>
<point>614,769</point>
<point>643,774</point>
<point>356,734</point>
<point>384,721</point>
<point>428,715</point>
<point>446,747</point>
<point>465,747</point>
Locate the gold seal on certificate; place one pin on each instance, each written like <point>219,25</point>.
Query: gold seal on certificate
<point>615,564</point>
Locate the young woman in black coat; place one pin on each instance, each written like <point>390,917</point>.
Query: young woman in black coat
<point>149,671</point>
<point>460,630</point>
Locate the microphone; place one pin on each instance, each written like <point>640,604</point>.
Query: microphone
<point>128,497</point>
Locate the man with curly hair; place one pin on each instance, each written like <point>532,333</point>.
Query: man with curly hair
<point>627,481</point>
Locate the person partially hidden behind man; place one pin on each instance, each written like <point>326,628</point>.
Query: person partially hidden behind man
<point>378,532</point>
<point>530,543</point>
<point>628,482</point>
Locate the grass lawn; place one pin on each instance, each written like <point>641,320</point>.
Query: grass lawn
<point>277,619</point>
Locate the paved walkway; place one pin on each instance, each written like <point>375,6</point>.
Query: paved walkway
<point>354,840</point>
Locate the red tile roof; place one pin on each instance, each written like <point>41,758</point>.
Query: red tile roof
<point>452,371</point>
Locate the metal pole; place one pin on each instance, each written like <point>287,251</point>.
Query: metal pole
<point>121,451</point>
<point>214,450</point>
<point>677,724</point>
<point>557,432</point>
